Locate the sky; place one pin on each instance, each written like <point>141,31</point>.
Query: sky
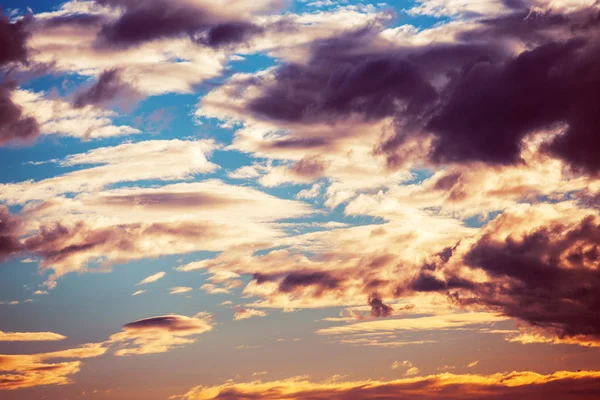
<point>299,199</point>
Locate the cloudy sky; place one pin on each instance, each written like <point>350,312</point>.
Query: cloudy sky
<point>299,199</point>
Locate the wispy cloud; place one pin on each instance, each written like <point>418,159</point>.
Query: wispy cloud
<point>152,278</point>
<point>180,289</point>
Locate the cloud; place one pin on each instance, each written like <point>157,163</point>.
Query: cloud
<point>202,21</point>
<point>472,364</point>
<point>311,193</point>
<point>11,227</point>
<point>128,162</point>
<point>180,290</point>
<point>147,336</point>
<point>138,292</point>
<point>378,309</point>
<point>108,88</point>
<point>409,368</point>
<point>542,267</point>
<point>458,8</point>
<point>214,289</point>
<point>514,385</point>
<point>15,125</point>
<point>245,313</point>
<point>58,117</point>
<point>30,336</point>
<point>437,322</point>
<point>14,38</point>
<point>435,93</point>
<point>97,229</point>
<point>23,371</point>
<point>152,278</point>
<point>158,334</point>
<point>337,267</point>
<point>554,72</point>
<point>190,42</point>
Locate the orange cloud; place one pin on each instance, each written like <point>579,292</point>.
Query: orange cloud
<point>245,313</point>
<point>30,336</point>
<point>23,371</point>
<point>525,385</point>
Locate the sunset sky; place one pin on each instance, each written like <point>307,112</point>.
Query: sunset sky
<point>299,199</point>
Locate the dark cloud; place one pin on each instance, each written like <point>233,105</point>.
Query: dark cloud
<point>156,19</point>
<point>14,126</point>
<point>109,88</point>
<point>152,20</point>
<point>171,323</point>
<point>11,227</point>
<point>330,87</point>
<point>321,280</point>
<point>492,107</point>
<point>549,278</point>
<point>300,143</point>
<point>13,39</point>
<point>425,282</point>
<point>230,33</point>
<point>485,100</point>
<point>378,308</point>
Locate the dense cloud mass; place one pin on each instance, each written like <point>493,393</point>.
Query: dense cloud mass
<point>493,107</point>
<point>488,101</point>
<point>13,37</point>
<point>157,19</point>
<point>14,125</point>
<point>548,278</point>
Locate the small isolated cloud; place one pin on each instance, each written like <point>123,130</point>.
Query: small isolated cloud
<point>158,334</point>
<point>152,278</point>
<point>179,289</point>
<point>410,369</point>
<point>213,289</point>
<point>30,337</point>
<point>260,373</point>
<point>245,313</point>
<point>138,292</point>
<point>472,364</point>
